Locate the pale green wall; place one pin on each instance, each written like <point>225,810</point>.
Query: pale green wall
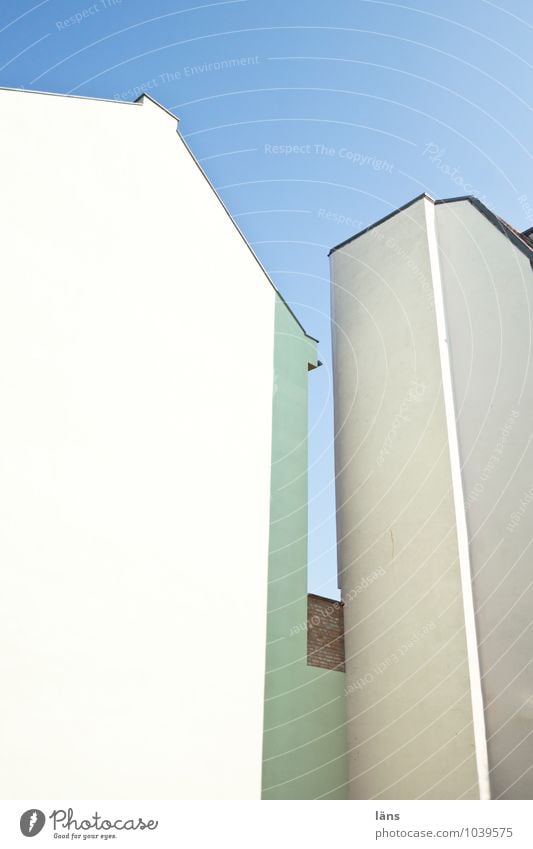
<point>410,732</point>
<point>304,738</point>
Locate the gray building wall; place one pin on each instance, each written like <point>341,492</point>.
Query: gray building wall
<point>487,284</point>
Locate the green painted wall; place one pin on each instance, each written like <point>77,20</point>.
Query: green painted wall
<point>304,726</point>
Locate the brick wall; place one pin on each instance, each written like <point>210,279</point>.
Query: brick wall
<point>325,632</point>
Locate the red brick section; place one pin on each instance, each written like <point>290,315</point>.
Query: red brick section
<point>325,632</point>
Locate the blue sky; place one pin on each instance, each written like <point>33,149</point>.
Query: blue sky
<point>312,119</point>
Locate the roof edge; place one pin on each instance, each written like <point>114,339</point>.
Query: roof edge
<point>72,96</point>
<point>246,242</point>
<point>519,240</point>
<point>139,102</point>
<point>337,601</point>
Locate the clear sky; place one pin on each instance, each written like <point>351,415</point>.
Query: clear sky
<point>312,119</point>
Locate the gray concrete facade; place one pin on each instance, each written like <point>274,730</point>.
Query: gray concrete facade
<point>433,402</point>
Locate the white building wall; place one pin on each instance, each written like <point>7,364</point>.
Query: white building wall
<point>488,295</point>
<point>410,731</point>
<point>136,352</point>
